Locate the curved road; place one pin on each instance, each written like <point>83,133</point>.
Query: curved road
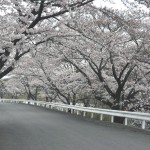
<point>24,127</point>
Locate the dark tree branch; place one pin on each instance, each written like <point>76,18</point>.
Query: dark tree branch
<point>6,71</point>
<point>4,58</point>
<point>114,70</point>
<point>80,70</point>
<point>127,75</point>
<point>38,18</point>
<point>18,56</point>
<point>124,68</point>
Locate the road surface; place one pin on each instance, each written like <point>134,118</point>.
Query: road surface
<point>25,127</point>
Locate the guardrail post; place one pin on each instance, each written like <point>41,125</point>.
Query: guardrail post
<point>112,119</point>
<point>126,121</point>
<point>92,115</point>
<point>72,111</point>
<point>84,113</point>
<point>101,117</point>
<point>77,112</point>
<point>143,124</point>
<point>66,109</point>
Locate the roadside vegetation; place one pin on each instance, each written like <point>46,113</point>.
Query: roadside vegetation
<point>75,53</point>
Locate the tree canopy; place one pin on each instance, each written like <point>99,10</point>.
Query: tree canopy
<point>74,52</point>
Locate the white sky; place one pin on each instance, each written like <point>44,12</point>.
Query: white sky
<point>118,4</point>
<point>113,4</point>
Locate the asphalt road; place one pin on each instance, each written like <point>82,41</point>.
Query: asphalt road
<point>24,127</point>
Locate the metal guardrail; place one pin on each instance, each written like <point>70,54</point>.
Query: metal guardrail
<point>77,109</point>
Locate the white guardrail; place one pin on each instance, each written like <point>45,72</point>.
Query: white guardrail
<point>64,107</point>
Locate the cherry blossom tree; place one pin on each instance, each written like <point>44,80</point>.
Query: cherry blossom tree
<point>13,88</point>
<point>109,50</point>
<point>59,80</point>
<point>77,53</point>
<point>26,24</point>
<point>2,89</point>
<point>144,2</point>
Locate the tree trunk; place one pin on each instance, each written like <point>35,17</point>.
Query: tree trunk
<point>69,110</point>
<point>118,119</point>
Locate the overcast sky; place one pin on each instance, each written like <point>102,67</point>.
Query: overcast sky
<point>118,4</point>
<point>115,4</point>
